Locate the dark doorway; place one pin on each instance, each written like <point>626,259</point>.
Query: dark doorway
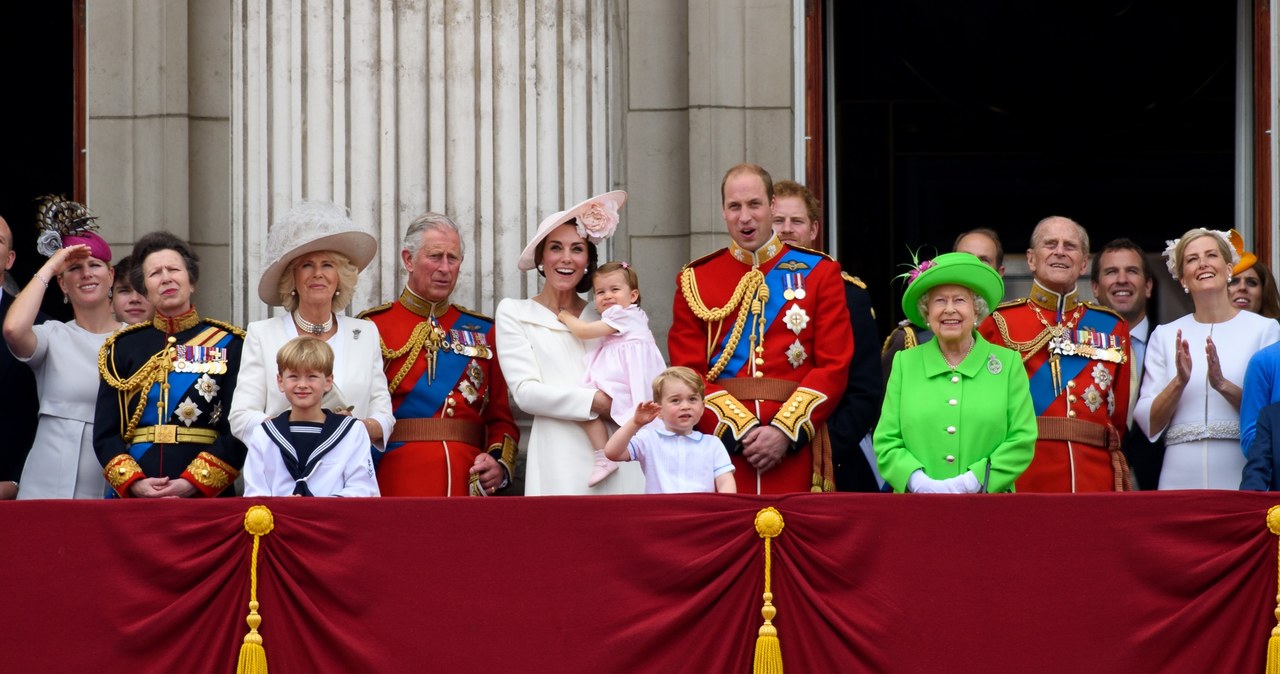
<point>994,113</point>
<point>36,144</point>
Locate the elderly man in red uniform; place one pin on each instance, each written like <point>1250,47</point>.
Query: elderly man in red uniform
<point>768,328</point>
<point>454,433</point>
<point>1077,358</point>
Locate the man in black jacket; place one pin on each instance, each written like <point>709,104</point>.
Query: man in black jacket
<point>19,406</point>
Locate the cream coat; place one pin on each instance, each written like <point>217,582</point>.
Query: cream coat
<point>543,364</point>
<point>357,373</point>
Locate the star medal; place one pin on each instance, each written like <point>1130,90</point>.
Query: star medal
<point>994,366</point>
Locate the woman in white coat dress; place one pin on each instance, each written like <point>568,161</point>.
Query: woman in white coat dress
<point>543,361</point>
<point>316,254</point>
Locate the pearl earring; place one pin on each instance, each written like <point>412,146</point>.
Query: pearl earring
<point>336,293</point>
<point>539,267</point>
<point>1186,290</point>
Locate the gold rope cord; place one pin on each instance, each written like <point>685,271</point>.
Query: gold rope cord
<point>749,286</point>
<point>1027,349</point>
<point>154,370</point>
<point>1273,644</point>
<point>259,522</point>
<point>768,654</point>
<point>412,347</point>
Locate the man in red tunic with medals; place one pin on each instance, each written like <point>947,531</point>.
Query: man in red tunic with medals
<point>1077,359</point>
<point>767,326</point>
<point>454,433</point>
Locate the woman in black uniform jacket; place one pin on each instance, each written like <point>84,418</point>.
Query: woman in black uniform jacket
<point>161,427</point>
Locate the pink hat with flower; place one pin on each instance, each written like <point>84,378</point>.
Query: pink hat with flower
<point>596,217</point>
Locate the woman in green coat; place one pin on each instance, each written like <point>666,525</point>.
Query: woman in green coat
<point>957,415</point>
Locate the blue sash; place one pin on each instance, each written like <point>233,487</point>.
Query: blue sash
<point>425,399</point>
<point>180,384</point>
<point>776,280</point>
<point>1042,393</point>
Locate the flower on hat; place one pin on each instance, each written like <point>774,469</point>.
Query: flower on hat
<point>1171,250</point>
<point>597,222</point>
<point>917,267</point>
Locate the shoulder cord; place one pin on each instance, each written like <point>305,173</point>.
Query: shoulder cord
<point>412,347</point>
<point>1028,348</point>
<point>752,284</point>
<point>152,371</point>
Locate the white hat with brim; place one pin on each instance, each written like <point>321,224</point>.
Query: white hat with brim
<point>312,227</point>
<point>607,204</point>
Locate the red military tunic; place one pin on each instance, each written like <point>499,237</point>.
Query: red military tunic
<point>769,331</point>
<point>448,395</point>
<point>1077,359</point>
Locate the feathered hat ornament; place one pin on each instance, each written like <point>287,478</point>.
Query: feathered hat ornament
<point>58,218</point>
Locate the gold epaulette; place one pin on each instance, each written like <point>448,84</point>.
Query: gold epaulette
<point>374,310</point>
<point>1093,306</point>
<point>469,312</point>
<point>1011,303</point>
<point>233,329</point>
<point>815,251</point>
<point>853,279</point>
<point>704,258</point>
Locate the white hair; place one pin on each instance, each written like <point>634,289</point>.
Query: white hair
<point>980,307</point>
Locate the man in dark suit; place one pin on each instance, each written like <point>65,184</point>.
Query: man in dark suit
<point>1259,472</point>
<point>19,407</point>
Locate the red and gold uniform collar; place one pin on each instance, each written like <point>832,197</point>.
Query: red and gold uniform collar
<point>770,250</point>
<point>1056,302</point>
<point>176,324</point>
<point>422,307</point>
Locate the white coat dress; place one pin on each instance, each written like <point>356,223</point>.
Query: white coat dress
<point>543,364</point>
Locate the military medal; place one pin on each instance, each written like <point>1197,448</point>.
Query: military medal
<point>799,292</point>
<point>789,294</point>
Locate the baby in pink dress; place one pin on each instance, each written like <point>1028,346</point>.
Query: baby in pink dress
<point>625,360</point>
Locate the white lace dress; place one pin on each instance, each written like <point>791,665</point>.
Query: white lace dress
<point>1203,438</point>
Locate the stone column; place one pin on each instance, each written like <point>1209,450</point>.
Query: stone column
<point>493,112</point>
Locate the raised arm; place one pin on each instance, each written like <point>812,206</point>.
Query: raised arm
<point>585,330</point>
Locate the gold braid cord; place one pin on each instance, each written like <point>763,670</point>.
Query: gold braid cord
<point>258,522</point>
<point>413,347</point>
<point>155,370</point>
<point>751,285</point>
<point>1027,349</point>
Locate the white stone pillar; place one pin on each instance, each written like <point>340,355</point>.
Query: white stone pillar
<point>493,112</point>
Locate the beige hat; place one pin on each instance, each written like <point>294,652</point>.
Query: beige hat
<point>597,218</point>
<point>309,227</point>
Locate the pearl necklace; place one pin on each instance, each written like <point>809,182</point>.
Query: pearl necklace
<point>966,355</point>
<point>316,329</point>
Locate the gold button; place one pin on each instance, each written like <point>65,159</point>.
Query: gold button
<point>449,412</point>
<point>951,459</point>
<point>1071,384</point>
<point>786,415</point>
<point>759,361</point>
<point>952,402</point>
<point>742,415</point>
<point>955,380</point>
<point>758,375</point>
<point>1071,398</point>
<point>120,471</point>
<point>1071,413</point>
<point>951,430</point>
<point>451,402</point>
<point>204,473</point>
<point>795,406</point>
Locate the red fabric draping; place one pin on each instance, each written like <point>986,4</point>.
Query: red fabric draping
<point>1170,582</point>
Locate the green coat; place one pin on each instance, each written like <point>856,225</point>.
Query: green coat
<point>948,422</point>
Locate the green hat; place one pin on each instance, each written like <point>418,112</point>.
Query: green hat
<point>962,269</point>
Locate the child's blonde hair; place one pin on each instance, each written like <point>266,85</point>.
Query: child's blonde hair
<point>628,273</point>
<point>305,354</point>
<point>681,374</point>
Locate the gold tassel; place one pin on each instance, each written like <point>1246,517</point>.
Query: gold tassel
<point>253,658</point>
<point>1273,644</point>
<point>768,657</point>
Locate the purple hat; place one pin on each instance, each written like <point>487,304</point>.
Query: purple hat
<point>97,245</point>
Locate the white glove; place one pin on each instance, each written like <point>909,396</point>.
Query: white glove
<point>960,484</point>
<point>920,483</point>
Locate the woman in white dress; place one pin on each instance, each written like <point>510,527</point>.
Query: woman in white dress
<point>1195,366</point>
<point>64,356</point>
<point>316,254</point>
<point>543,361</point>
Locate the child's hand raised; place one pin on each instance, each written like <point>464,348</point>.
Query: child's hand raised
<point>646,412</point>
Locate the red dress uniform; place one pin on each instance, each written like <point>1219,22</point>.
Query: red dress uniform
<point>1077,359</point>
<point>769,332</point>
<point>448,395</point>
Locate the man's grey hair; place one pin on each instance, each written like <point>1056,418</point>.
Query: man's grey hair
<point>1084,234</point>
<point>431,221</point>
